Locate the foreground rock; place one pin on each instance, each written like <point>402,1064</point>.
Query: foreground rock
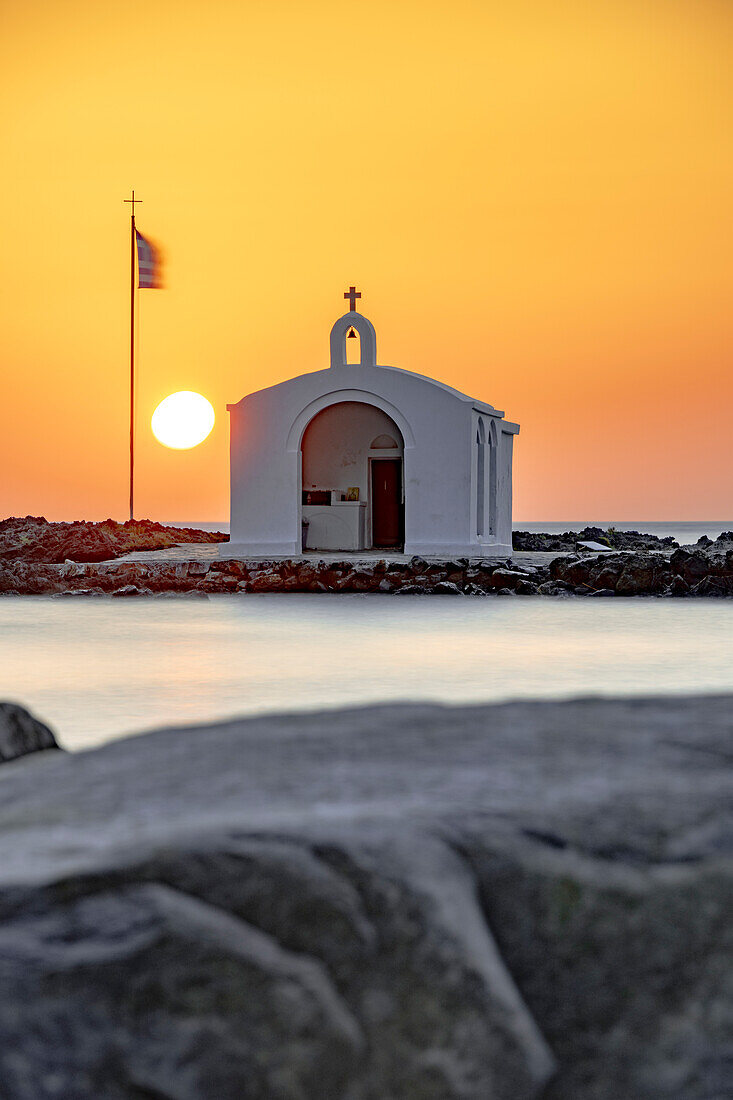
<point>520,901</point>
<point>34,539</point>
<point>21,733</point>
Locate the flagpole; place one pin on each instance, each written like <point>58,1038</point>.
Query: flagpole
<point>132,201</point>
<point>132,359</point>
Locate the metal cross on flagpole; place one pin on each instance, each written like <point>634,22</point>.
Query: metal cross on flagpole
<point>133,200</point>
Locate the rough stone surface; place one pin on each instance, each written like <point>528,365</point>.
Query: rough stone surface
<point>21,733</point>
<point>34,539</point>
<point>45,568</point>
<point>407,902</point>
<point>132,590</point>
<point>700,571</point>
<point>447,588</point>
<point>572,540</point>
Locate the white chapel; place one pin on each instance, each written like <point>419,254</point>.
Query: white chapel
<point>361,456</point>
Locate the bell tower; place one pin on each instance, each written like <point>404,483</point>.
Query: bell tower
<point>346,327</point>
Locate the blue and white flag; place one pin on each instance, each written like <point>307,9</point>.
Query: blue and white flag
<point>149,267</point>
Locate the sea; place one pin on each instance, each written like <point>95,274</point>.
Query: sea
<point>100,669</point>
<point>684,531</point>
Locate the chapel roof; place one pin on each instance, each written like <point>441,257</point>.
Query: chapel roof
<point>350,322</point>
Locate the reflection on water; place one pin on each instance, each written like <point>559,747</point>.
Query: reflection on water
<point>100,668</point>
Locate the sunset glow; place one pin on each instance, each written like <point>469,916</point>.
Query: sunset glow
<point>183,420</point>
<point>534,199</point>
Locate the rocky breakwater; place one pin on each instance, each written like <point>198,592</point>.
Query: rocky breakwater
<point>568,540</point>
<point>694,572</point>
<point>528,901</point>
<point>34,539</point>
<point>135,578</point>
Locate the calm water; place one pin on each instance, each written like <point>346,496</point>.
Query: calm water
<point>100,668</point>
<point>685,531</point>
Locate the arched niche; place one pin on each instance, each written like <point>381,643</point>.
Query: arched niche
<point>337,446</point>
<point>367,340</point>
<point>297,428</point>
<point>352,478</point>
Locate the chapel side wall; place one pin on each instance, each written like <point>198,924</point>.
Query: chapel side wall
<point>437,476</point>
<point>265,478</point>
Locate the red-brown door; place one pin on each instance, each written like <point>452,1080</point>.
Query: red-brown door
<point>387,502</point>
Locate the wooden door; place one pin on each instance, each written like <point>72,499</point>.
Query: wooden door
<point>387,502</point>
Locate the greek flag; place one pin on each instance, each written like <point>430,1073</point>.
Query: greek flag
<point>148,264</point>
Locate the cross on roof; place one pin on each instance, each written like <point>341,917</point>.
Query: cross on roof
<point>352,294</point>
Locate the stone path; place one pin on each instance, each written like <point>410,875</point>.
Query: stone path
<point>194,551</point>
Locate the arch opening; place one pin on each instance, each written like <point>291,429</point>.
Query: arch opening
<point>480,479</point>
<point>351,492</point>
<point>352,344</point>
<point>493,468</point>
<point>383,443</point>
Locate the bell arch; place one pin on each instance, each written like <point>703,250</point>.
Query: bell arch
<point>367,340</point>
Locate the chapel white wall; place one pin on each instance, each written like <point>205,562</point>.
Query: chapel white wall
<point>438,429</point>
<point>504,487</point>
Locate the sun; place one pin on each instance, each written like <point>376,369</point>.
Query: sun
<point>183,420</point>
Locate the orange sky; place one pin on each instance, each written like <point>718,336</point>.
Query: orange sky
<point>535,199</point>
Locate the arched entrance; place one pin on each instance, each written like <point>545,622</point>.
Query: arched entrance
<point>352,478</point>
